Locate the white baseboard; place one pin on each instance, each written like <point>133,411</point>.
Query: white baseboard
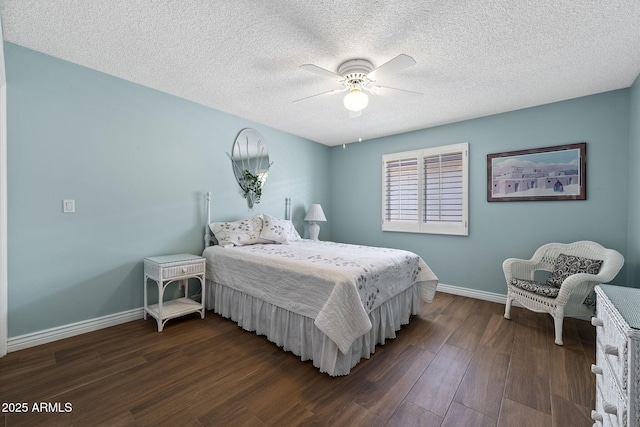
<point>49,335</point>
<point>473,293</point>
<point>42,337</point>
<point>486,296</point>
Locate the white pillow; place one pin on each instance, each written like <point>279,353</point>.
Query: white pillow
<point>278,230</point>
<point>239,233</point>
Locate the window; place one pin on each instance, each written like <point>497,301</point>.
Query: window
<point>426,191</point>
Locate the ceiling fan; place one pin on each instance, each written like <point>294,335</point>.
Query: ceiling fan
<point>359,75</point>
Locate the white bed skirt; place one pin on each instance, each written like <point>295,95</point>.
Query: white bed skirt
<point>299,335</point>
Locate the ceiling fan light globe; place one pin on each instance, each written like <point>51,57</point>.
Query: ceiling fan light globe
<point>356,100</point>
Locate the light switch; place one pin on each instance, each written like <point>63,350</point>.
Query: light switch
<point>68,206</point>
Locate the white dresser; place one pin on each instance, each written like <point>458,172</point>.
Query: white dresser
<point>617,367</point>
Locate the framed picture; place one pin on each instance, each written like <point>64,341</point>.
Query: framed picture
<point>550,173</point>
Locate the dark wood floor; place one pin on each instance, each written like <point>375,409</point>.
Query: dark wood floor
<point>459,363</point>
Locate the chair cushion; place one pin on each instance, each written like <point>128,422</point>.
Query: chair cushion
<point>535,287</point>
<point>566,265</point>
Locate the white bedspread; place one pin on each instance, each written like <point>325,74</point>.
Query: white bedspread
<point>335,284</point>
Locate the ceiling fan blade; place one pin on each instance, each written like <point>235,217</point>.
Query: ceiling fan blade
<point>331,92</point>
<point>398,93</point>
<point>321,71</point>
<point>391,67</point>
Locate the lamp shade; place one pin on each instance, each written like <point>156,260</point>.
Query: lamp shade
<point>356,100</point>
<point>315,213</point>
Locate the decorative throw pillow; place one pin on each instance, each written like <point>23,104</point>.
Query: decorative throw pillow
<point>279,230</point>
<point>566,265</point>
<point>243,232</point>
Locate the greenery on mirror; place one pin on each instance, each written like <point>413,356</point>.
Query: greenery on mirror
<point>250,161</point>
<point>251,188</point>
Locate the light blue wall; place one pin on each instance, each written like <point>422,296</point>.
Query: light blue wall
<point>498,230</point>
<point>633,252</point>
<point>137,162</point>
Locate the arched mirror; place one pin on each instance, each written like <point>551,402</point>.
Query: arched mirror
<point>250,160</point>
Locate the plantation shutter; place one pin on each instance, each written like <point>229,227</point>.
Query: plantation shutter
<point>443,188</point>
<point>401,193</point>
<point>426,190</point>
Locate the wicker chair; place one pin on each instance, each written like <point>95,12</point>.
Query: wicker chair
<point>571,293</point>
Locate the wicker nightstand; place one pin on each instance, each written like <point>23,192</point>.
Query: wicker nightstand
<point>165,270</point>
<point>617,367</point>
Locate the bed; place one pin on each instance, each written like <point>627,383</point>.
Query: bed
<point>327,302</point>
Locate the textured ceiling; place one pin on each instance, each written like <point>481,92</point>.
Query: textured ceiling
<point>474,57</point>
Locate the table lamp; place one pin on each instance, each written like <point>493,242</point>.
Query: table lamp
<point>314,214</point>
